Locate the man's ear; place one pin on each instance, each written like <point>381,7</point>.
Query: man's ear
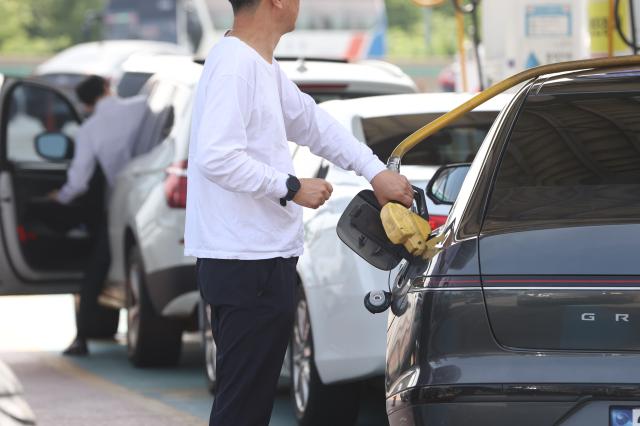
<point>279,4</point>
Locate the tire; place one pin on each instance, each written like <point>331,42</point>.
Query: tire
<point>208,348</point>
<point>315,403</point>
<point>106,323</point>
<point>152,340</point>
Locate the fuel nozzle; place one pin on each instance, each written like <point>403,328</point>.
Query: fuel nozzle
<point>377,302</point>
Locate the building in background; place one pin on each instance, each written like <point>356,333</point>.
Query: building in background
<point>521,34</point>
<point>353,29</point>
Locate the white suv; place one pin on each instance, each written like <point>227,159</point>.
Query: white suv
<point>106,58</point>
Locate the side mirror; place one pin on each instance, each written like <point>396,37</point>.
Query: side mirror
<point>445,185</point>
<point>54,146</point>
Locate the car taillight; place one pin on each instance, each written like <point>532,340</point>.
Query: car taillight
<point>437,221</point>
<point>175,185</point>
<point>24,235</point>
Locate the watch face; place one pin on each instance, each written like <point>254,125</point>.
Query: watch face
<point>293,184</point>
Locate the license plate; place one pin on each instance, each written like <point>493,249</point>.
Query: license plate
<point>624,416</point>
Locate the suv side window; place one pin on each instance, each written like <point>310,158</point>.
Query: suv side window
<point>305,163</point>
<point>132,83</point>
<point>158,119</point>
<point>571,159</point>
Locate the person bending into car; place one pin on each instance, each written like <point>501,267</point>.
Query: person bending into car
<point>244,204</point>
<point>105,140</point>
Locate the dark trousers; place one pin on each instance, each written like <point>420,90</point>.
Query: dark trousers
<point>252,311</point>
<point>95,274</point>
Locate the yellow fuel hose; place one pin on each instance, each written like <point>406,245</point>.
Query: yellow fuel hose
<point>439,123</point>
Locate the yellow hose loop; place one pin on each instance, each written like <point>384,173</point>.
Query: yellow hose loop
<point>446,119</point>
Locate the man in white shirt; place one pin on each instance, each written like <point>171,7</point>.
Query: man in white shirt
<point>105,140</point>
<point>244,204</point>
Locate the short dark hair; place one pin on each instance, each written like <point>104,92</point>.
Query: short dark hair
<point>242,4</point>
<point>91,89</point>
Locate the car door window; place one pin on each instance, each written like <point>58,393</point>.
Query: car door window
<point>158,119</point>
<point>132,84</point>
<point>34,110</point>
<point>570,159</point>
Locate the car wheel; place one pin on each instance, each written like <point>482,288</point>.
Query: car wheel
<point>315,403</point>
<point>152,340</point>
<point>208,348</point>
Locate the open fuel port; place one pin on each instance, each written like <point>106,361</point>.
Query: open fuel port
<point>384,236</point>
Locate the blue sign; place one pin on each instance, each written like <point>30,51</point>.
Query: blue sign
<point>548,20</point>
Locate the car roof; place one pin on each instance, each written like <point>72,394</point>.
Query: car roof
<point>421,103</point>
<point>359,75</point>
<point>150,64</point>
<point>369,76</point>
<point>102,58</point>
<point>178,70</point>
<point>620,79</point>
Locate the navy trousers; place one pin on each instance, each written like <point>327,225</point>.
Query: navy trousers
<point>252,307</point>
<point>95,274</point>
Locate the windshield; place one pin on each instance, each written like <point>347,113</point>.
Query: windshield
<point>141,19</point>
<point>316,14</point>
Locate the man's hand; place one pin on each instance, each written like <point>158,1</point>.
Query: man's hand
<point>313,193</point>
<point>53,195</point>
<point>391,186</point>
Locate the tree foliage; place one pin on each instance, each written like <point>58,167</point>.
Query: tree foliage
<point>415,32</point>
<point>46,26</point>
<point>42,26</point>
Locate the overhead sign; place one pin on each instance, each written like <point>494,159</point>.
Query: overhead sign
<point>548,20</point>
<point>549,34</point>
<point>598,28</point>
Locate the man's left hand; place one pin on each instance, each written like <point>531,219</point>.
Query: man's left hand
<point>391,186</point>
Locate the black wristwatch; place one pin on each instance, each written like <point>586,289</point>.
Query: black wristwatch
<point>293,186</point>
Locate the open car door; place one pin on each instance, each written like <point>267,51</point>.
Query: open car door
<point>43,245</point>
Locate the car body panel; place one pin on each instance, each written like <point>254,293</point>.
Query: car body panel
<point>546,341</point>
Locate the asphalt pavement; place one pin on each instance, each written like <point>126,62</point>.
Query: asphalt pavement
<point>104,389</point>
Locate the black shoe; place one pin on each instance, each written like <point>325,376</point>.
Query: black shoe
<point>77,348</point>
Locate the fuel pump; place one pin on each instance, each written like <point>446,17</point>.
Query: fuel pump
<point>633,42</point>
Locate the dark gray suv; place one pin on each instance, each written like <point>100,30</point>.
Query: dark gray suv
<point>528,310</point>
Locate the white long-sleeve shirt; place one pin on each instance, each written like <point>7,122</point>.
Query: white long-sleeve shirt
<point>245,111</point>
<point>106,138</point>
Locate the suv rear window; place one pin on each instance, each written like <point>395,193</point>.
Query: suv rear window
<point>458,143</point>
<point>571,159</point>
